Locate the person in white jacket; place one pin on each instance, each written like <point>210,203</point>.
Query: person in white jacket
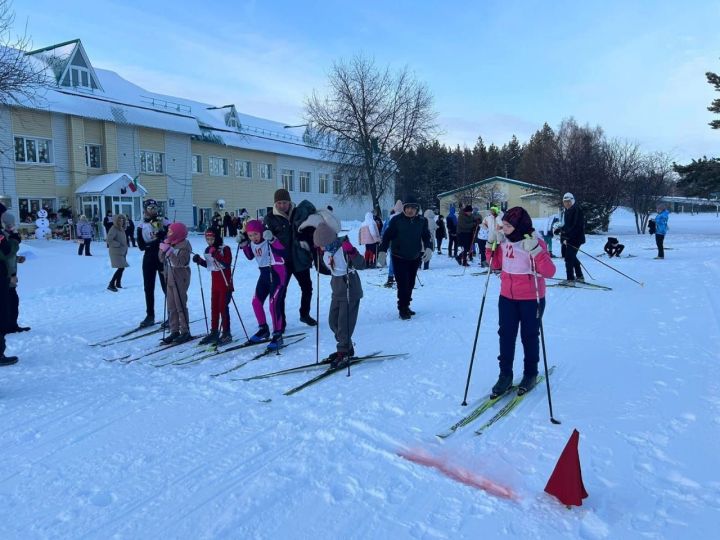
<point>493,222</point>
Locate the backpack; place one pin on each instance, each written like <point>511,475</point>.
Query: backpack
<point>651,226</point>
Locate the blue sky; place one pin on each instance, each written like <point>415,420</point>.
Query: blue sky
<point>636,68</point>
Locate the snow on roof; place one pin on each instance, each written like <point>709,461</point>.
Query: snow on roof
<point>126,103</point>
<point>98,184</point>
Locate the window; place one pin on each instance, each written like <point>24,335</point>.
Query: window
<point>304,181</point>
<point>265,171</point>
<point>32,150</point>
<point>243,168</point>
<point>152,162</point>
<point>29,207</point>
<point>196,164</point>
<point>80,76</point>
<point>336,184</point>
<point>261,213</point>
<point>92,156</point>
<point>218,166</point>
<point>323,181</point>
<point>288,180</point>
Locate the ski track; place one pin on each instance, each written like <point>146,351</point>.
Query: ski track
<point>94,449</point>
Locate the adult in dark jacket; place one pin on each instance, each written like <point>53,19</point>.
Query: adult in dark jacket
<point>408,237</point>
<point>107,222</point>
<point>452,222</point>
<point>465,228</point>
<point>5,318</point>
<point>150,233</point>
<point>572,236</point>
<point>440,233</point>
<point>130,232</point>
<point>284,223</point>
<point>226,224</point>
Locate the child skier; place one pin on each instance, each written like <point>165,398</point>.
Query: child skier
<point>261,245</point>
<point>218,259</point>
<point>613,247</point>
<point>174,253</point>
<point>343,260</point>
<point>525,262</point>
<point>7,224</point>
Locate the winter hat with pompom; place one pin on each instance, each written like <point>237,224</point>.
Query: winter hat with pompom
<point>8,221</point>
<point>179,232</point>
<point>254,225</point>
<point>323,235</point>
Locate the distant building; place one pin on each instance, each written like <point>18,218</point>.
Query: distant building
<point>503,192</point>
<point>96,142</point>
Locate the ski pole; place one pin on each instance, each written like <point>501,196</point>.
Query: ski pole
<point>542,341</point>
<point>237,256</point>
<point>347,298</point>
<point>202,295</point>
<point>610,267</point>
<point>164,326</point>
<point>477,330</point>
<point>317,308</point>
<point>586,270</point>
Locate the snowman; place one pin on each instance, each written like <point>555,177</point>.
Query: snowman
<point>43,225</point>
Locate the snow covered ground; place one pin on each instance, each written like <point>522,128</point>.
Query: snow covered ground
<point>96,449</point>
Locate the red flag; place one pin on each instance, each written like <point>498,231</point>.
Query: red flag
<point>565,482</point>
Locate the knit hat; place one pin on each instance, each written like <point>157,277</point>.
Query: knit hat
<point>254,225</point>
<point>149,202</point>
<point>569,197</point>
<point>520,220</point>
<point>8,219</point>
<point>495,209</point>
<point>467,208</point>
<point>411,202</point>
<point>179,232</point>
<point>282,195</point>
<point>323,235</point>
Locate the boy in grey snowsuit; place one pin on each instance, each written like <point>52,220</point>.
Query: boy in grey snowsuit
<point>341,257</point>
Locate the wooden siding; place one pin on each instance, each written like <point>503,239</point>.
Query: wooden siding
<point>36,181</point>
<point>152,139</point>
<point>7,159</point>
<point>128,150</point>
<point>93,132</point>
<point>76,151</point>
<point>110,148</point>
<point>60,149</point>
<point>31,123</point>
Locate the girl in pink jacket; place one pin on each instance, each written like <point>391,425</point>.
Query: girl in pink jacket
<point>525,263</point>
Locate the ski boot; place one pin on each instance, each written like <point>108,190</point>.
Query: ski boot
<point>528,383</point>
<point>170,338</point>
<point>261,335</point>
<point>276,342</point>
<point>210,339</point>
<point>341,360</point>
<point>502,385</point>
<point>307,319</point>
<point>225,338</point>
<point>183,338</point>
<point>8,360</point>
<point>389,283</point>
<point>147,321</point>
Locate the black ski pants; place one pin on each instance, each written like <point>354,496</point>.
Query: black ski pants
<point>659,241</point>
<point>152,267</point>
<point>573,269</point>
<point>405,275</point>
<point>522,315</point>
<point>306,289</point>
<point>85,245</point>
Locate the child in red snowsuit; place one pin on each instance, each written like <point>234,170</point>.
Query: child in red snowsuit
<point>218,259</point>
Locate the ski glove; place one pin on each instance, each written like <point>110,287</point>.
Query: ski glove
<point>382,259</point>
<point>196,259</point>
<point>427,255</point>
<point>532,246</point>
<point>268,235</point>
<point>165,247</point>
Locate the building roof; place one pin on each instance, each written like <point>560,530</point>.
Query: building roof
<point>120,101</point>
<point>99,184</point>
<point>495,179</point>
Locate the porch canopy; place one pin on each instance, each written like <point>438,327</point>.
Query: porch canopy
<point>112,184</point>
<point>109,193</point>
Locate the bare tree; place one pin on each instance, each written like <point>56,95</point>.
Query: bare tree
<point>20,76</point>
<point>645,188</point>
<point>369,117</point>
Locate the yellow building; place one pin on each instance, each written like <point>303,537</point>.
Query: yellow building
<point>539,201</point>
<point>194,158</point>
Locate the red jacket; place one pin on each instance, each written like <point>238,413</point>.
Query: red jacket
<point>516,279</point>
<point>222,257</point>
